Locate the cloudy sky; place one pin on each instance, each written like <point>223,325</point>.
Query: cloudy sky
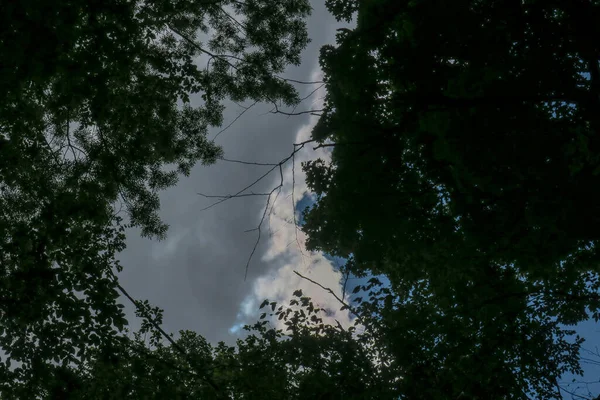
<point>197,274</point>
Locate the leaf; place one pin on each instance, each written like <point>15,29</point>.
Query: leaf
<point>374,281</point>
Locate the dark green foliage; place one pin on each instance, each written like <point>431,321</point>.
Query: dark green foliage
<point>466,170</point>
<point>309,360</point>
<point>95,112</point>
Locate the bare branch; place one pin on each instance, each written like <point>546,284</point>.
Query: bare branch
<point>297,148</point>
<point>240,27</point>
<point>175,345</point>
<point>304,143</point>
<point>323,145</point>
<point>307,96</point>
<point>352,309</point>
<point>280,164</point>
<point>241,191</point>
<point>574,395</point>
<point>558,389</point>
<point>300,82</point>
<point>233,122</point>
<point>241,105</point>
<point>272,211</point>
<point>262,220</point>
<point>276,110</point>
<point>248,162</point>
<point>230,196</point>
<point>52,151</point>
<point>294,205</point>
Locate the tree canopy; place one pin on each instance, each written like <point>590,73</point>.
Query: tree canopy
<point>464,168</point>
<point>309,360</point>
<point>465,153</point>
<point>95,113</point>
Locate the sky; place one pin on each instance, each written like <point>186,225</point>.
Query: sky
<point>197,274</point>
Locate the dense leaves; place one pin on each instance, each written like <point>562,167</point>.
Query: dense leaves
<point>295,355</point>
<point>464,163</point>
<point>465,169</point>
<point>307,360</point>
<point>96,114</point>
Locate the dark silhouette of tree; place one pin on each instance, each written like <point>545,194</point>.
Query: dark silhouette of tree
<point>309,359</point>
<point>465,164</point>
<point>95,111</point>
<point>290,353</point>
<point>464,142</point>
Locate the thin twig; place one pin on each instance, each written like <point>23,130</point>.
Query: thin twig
<point>248,162</point>
<point>276,110</point>
<point>558,389</point>
<point>230,196</point>
<point>241,105</point>
<point>352,310</point>
<point>273,211</point>
<point>261,222</point>
<point>306,97</point>
<point>233,122</point>
<point>300,82</point>
<point>575,395</point>
<point>294,206</point>
<point>241,27</point>
<point>297,147</point>
<point>180,349</point>
<point>241,191</point>
<point>52,152</point>
<point>322,145</point>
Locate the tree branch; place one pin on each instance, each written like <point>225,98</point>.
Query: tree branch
<point>352,309</point>
<point>233,122</point>
<point>306,97</point>
<point>230,196</point>
<point>294,205</point>
<point>248,162</point>
<point>262,220</point>
<point>297,148</point>
<point>276,110</point>
<point>175,345</point>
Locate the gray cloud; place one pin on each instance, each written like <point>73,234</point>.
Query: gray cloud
<point>197,274</point>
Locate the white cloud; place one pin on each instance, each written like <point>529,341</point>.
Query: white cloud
<point>286,243</point>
